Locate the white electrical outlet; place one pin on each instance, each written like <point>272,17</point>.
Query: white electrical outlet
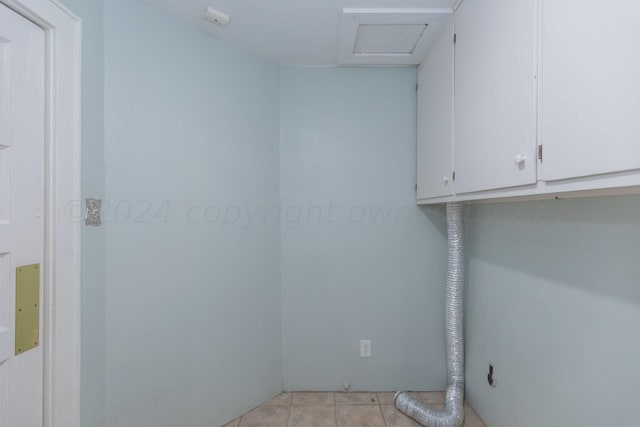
<point>365,348</point>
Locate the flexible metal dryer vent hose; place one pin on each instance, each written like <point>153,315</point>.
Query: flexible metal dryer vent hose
<point>453,414</point>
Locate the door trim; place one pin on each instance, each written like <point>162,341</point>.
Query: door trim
<point>61,272</point>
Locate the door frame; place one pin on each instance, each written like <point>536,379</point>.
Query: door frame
<point>61,266</point>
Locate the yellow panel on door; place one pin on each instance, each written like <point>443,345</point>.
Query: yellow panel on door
<point>27,307</point>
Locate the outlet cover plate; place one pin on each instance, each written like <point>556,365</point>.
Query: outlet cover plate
<point>365,348</point>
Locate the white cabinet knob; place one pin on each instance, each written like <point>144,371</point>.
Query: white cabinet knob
<point>519,159</point>
<point>445,180</point>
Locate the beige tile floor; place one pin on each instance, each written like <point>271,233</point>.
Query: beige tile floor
<point>340,410</point>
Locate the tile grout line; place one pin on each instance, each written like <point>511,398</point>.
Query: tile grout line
<point>335,409</point>
<point>384,420</point>
<point>289,410</point>
<point>290,407</point>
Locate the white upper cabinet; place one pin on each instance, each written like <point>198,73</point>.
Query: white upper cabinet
<point>590,87</point>
<point>559,75</point>
<point>435,119</point>
<point>495,94</point>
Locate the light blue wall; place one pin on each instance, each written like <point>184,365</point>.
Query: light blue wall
<point>554,301</point>
<point>193,295</point>
<point>359,259</point>
<point>93,239</point>
<point>193,304</point>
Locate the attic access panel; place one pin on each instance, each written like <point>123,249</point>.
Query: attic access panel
<point>388,36</point>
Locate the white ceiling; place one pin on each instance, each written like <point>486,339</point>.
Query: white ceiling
<point>303,32</point>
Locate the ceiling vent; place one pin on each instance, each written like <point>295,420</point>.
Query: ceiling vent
<point>388,36</point>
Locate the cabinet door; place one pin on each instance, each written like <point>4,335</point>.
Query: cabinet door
<point>435,118</point>
<point>590,87</point>
<point>495,94</point>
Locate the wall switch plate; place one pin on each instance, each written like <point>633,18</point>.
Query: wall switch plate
<point>365,348</point>
<point>92,216</point>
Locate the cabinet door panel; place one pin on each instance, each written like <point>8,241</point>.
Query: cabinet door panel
<point>435,118</point>
<point>495,94</point>
<point>590,87</point>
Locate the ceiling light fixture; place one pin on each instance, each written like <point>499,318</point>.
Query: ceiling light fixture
<point>217,17</point>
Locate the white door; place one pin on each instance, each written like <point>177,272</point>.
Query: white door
<point>22,123</point>
<point>590,87</point>
<point>495,95</point>
<point>435,119</point>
